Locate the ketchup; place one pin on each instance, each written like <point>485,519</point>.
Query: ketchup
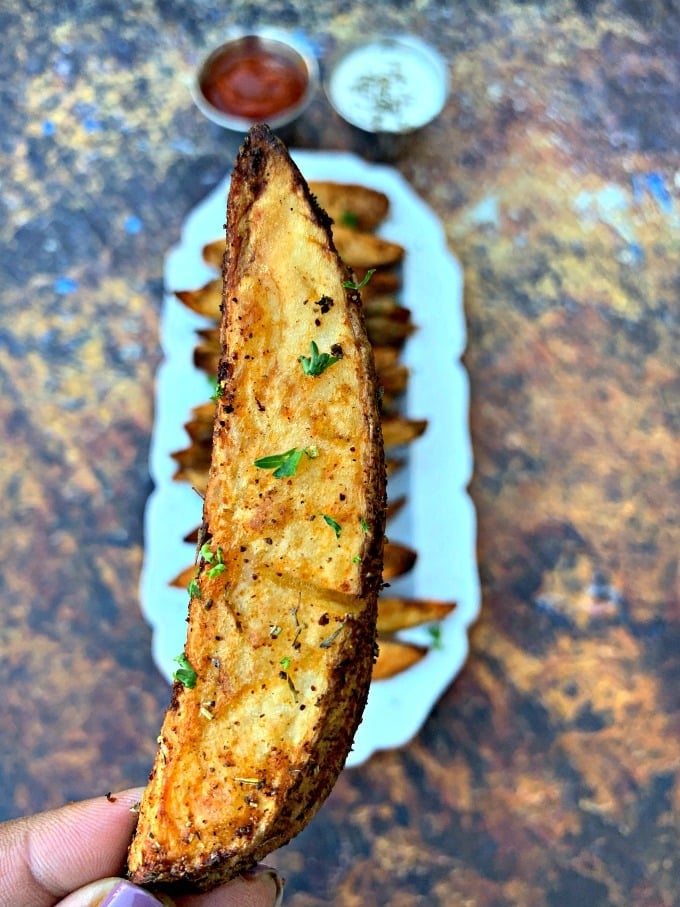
<point>254,83</point>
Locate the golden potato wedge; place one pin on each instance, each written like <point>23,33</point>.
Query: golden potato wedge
<point>393,381</point>
<point>357,248</point>
<point>391,329</point>
<point>399,430</point>
<point>196,456</point>
<point>395,656</point>
<point>381,282</point>
<point>401,613</point>
<point>365,250</point>
<point>194,476</point>
<point>398,560</point>
<point>183,578</point>
<point>281,633</point>
<point>354,206</point>
<point>213,254</point>
<point>394,505</point>
<point>205,301</point>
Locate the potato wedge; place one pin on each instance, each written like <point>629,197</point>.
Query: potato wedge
<point>398,560</point>
<point>399,430</point>
<point>357,248</point>
<point>365,250</point>
<point>402,613</point>
<point>395,656</point>
<point>282,611</point>
<point>213,253</point>
<point>381,281</point>
<point>205,300</point>
<point>354,206</point>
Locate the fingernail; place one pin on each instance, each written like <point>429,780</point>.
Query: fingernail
<point>262,871</point>
<point>125,894</point>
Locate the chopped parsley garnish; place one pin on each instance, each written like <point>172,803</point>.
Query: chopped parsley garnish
<point>218,390</point>
<point>286,464</point>
<point>349,219</point>
<point>435,632</point>
<point>318,362</point>
<point>364,525</point>
<point>185,674</point>
<point>335,526</point>
<point>285,663</point>
<point>350,285</point>
<point>194,589</point>
<point>215,559</point>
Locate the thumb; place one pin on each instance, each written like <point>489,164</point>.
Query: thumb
<point>262,887</point>
<point>113,892</point>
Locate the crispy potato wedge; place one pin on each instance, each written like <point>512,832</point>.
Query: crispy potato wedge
<point>366,250</point>
<point>354,206</point>
<point>382,281</point>
<point>390,329</point>
<point>196,456</point>
<point>395,656</point>
<point>281,632</point>
<point>213,253</point>
<point>194,476</point>
<point>205,300</point>
<point>402,613</point>
<point>398,560</point>
<point>399,430</point>
<point>357,248</point>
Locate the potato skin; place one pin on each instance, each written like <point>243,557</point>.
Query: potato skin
<point>282,614</point>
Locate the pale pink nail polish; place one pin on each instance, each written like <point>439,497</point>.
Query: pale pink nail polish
<point>125,894</point>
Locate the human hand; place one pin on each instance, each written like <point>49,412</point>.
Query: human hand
<point>71,856</point>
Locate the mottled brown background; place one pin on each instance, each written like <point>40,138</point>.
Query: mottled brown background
<point>549,774</point>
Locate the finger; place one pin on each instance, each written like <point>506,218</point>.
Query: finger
<point>44,857</point>
<point>113,892</point>
<point>261,887</point>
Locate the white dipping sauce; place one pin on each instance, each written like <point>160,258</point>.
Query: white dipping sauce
<point>391,85</point>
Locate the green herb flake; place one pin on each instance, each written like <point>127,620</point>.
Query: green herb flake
<point>284,464</point>
<point>318,362</point>
<point>364,525</point>
<point>194,589</point>
<point>218,390</point>
<point>216,570</point>
<point>185,674</point>
<point>285,663</point>
<point>350,285</point>
<point>335,526</point>
<point>349,219</point>
<point>435,632</point>
<point>206,553</point>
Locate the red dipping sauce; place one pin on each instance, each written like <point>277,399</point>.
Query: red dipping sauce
<point>253,81</point>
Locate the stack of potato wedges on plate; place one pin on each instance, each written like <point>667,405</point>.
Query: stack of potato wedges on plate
<point>356,211</point>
